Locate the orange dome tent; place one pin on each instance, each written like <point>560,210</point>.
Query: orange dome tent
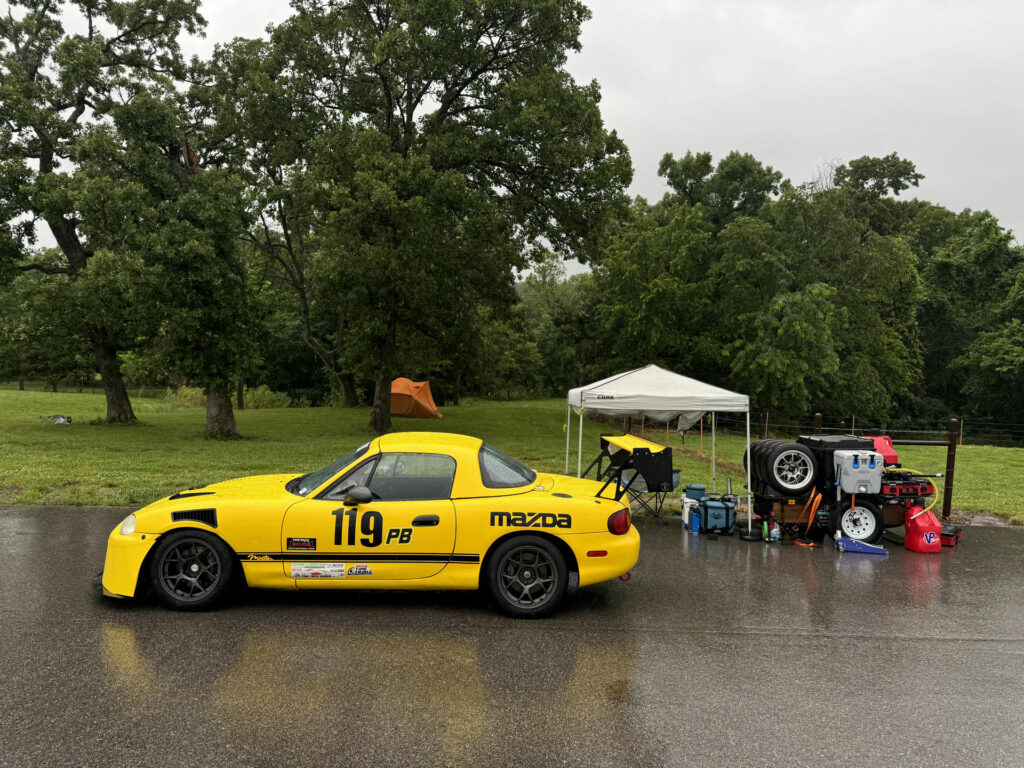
<point>413,398</point>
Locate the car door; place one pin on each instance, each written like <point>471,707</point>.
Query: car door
<point>406,532</point>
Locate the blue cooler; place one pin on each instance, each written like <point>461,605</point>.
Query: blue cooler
<point>696,492</point>
<point>716,516</point>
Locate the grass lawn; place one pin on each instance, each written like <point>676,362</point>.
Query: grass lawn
<point>86,463</point>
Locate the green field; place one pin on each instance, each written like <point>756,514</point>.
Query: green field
<point>87,463</point>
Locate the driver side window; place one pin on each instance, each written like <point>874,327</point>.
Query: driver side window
<point>358,476</point>
<point>413,477</point>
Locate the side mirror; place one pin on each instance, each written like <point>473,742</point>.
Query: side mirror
<point>359,494</point>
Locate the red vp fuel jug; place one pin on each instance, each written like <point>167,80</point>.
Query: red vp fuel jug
<point>924,532</point>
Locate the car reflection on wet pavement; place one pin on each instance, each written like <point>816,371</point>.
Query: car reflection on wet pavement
<point>717,652</point>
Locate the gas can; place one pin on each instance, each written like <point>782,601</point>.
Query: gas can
<point>924,532</point>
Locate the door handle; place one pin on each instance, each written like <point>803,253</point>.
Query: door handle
<point>426,520</point>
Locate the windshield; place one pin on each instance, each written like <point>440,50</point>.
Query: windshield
<point>499,470</point>
<point>308,483</point>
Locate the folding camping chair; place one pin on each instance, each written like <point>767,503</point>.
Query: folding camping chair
<point>652,501</point>
<point>638,468</point>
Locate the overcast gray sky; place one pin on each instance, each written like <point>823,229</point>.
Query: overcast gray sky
<point>797,83</point>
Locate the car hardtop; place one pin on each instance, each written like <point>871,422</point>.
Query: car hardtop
<point>464,449</point>
<point>427,442</point>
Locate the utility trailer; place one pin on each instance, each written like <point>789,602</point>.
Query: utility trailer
<point>832,483</point>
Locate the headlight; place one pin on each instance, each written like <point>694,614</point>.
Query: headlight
<point>128,525</point>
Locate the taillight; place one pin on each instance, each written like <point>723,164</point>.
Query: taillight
<point>619,522</point>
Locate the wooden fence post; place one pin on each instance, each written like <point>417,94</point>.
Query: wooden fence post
<point>947,491</point>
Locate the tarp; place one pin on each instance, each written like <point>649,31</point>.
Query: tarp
<point>413,398</point>
<point>661,395</point>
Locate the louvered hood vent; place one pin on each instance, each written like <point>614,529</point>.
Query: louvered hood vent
<point>207,516</point>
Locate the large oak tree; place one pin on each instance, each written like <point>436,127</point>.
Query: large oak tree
<point>426,152</point>
<point>63,68</point>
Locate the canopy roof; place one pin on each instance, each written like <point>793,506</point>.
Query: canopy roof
<point>655,392</point>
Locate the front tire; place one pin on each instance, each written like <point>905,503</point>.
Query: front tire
<point>527,576</point>
<point>191,570</point>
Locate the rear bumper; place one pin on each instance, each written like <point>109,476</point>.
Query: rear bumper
<point>125,555</point>
<point>623,552</point>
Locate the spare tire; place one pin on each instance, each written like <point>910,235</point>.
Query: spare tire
<point>858,519</point>
<point>761,466</point>
<point>790,468</point>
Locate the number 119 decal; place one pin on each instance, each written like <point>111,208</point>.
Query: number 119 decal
<point>371,525</point>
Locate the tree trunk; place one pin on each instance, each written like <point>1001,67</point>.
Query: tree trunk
<point>220,418</point>
<point>240,395</point>
<point>21,383</point>
<point>380,414</point>
<point>119,407</point>
<point>53,387</point>
<point>349,396</point>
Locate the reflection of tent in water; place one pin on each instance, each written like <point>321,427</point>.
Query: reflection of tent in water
<point>413,398</point>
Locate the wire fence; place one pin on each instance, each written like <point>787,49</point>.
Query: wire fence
<point>970,431</point>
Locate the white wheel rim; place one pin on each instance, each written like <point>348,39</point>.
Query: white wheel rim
<point>792,469</point>
<point>858,523</point>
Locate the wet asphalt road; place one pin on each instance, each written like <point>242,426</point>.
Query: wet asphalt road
<point>716,653</point>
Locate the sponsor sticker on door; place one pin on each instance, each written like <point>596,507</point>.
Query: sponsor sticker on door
<point>318,570</point>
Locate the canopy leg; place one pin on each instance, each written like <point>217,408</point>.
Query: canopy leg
<point>750,515</point>
<point>579,452</point>
<point>714,473</point>
<point>568,431</point>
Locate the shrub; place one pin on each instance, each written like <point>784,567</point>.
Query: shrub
<point>264,397</point>
<point>185,397</point>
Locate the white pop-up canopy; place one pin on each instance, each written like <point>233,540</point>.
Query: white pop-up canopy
<point>660,394</point>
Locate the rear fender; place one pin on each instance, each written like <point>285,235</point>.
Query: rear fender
<point>567,553</point>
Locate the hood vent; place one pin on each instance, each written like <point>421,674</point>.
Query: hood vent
<point>207,516</point>
<point>187,494</point>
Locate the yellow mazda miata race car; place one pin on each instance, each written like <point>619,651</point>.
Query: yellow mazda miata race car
<point>409,510</point>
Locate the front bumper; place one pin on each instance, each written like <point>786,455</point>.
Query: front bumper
<point>125,555</point>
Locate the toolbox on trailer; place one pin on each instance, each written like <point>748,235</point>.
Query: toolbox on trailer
<point>825,446</point>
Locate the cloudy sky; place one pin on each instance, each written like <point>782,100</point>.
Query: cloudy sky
<point>798,83</point>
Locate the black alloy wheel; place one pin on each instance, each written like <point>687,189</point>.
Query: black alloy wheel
<point>528,577</point>
<point>191,570</point>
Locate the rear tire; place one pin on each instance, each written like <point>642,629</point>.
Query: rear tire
<point>191,570</point>
<point>527,577</point>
